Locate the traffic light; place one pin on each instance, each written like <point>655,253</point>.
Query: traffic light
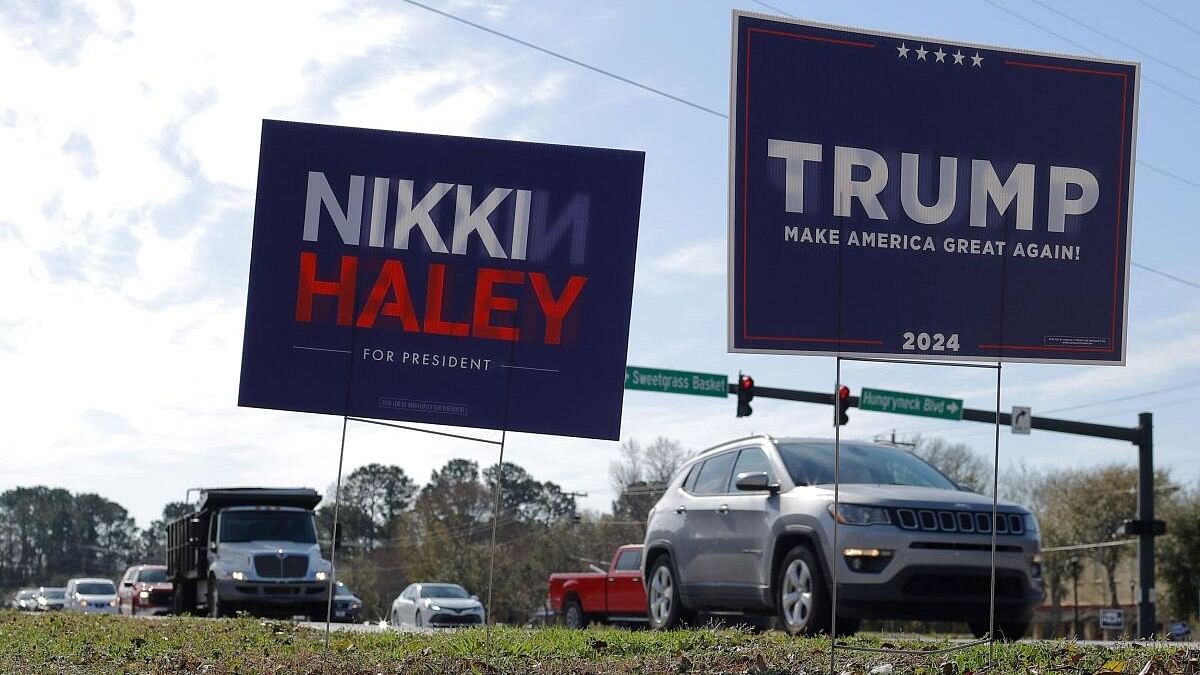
<point>745,394</point>
<point>843,402</point>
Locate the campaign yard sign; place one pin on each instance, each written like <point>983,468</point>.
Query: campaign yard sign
<point>902,196</point>
<point>439,279</point>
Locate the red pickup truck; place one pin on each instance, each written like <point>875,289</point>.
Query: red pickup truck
<point>614,596</point>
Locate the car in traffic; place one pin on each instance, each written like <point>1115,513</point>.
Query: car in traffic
<point>146,591</point>
<point>50,599</point>
<point>748,526</point>
<point>25,600</point>
<point>90,596</point>
<point>347,607</point>
<point>613,596</point>
<point>436,605</point>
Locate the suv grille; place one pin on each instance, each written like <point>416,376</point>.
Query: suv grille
<point>272,566</point>
<point>968,522</point>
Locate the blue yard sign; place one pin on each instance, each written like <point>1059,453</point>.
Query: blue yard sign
<point>439,279</point>
<point>902,196</point>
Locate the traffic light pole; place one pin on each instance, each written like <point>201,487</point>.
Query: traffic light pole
<point>1142,436</point>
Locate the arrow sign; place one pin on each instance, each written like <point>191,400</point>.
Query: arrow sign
<point>903,403</point>
<point>1022,417</point>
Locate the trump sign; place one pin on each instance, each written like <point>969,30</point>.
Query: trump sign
<point>439,279</point>
<point>911,197</point>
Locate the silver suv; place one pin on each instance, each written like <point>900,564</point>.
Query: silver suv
<point>747,527</point>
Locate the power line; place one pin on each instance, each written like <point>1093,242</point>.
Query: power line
<point>1115,39</point>
<point>1170,174</point>
<point>774,8</point>
<point>568,59</point>
<point>1177,20</point>
<point>1161,273</point>
<point>1087,49</point>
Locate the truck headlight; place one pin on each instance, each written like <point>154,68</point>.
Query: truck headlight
<point>853,514</point>
<point>237,575</point>
<point>321,575</point>
<point>145,595</point>
<point>114,602</point>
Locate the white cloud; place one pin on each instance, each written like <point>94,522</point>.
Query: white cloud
<point>705,258</point>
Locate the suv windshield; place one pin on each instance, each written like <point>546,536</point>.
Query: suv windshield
<point>443,591</point>
<point>811,463</point>
<point>96,588</point>
<point>152,576</point>
<point>267,526</point>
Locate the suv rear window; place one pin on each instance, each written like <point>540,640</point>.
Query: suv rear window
<point>714,475</point>
<point>812,464</point>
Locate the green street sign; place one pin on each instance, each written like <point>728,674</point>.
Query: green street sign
<point>676,381</point>
<point>881,400</point>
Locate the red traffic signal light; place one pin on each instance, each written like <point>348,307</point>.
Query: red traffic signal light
<point>841,404</point>
<point>745,394</point>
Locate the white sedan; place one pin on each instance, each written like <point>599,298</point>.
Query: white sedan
<point>436,606</point>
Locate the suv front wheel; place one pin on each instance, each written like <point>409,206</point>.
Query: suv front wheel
<point>662,596</point>
<point>801,599</point>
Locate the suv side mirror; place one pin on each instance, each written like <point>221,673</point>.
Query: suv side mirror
<point>756,481</point>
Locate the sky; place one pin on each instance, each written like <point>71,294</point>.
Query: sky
<point>128,158</point>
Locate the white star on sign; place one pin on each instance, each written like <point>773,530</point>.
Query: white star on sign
<point>958,57</point>
<point>921,52</point>
<point>977,60</point>
<point>903,51</point>
<point>941,55</point>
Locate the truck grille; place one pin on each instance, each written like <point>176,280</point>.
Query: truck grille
<point>967,522</point>
<point>272,566</point>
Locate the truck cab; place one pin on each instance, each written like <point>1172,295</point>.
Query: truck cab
<point>615,596</point>
<point>251,549</point>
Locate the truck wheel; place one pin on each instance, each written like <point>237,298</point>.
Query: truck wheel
<point>663,605</point>
<point>801,599</point>
<point>573,616</point>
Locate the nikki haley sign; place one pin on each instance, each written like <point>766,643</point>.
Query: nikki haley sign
<point>893,195</point>
<point>440,279</point>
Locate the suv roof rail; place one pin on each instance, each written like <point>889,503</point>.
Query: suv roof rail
<point>734,440</point>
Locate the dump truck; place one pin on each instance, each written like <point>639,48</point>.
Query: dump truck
<point>249,549</point>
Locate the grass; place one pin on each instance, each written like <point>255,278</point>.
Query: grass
<point>65,643</point>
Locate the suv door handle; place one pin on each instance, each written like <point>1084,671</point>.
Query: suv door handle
<point>681,509</point>
<point>723,509</point>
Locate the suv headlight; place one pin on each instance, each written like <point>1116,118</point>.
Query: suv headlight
<point>321,575</point>
<point>237,575</point>
<point>1031,524</point>
<point>853,514</point>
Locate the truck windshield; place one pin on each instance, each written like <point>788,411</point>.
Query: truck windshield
<point>152,576</point>
<point>267,526</point>
<point>811,463</point>
<point>96,588</point>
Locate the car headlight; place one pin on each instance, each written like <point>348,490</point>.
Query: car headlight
<point>1031,524</point>
<point>145,595</point>
<point>237,575</point>
<point>435,608</point>
<point>322,575</point>
<point>854,514</point>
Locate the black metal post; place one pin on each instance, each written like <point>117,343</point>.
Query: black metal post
<point>1145,600</point>
<point>1075,593</point>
